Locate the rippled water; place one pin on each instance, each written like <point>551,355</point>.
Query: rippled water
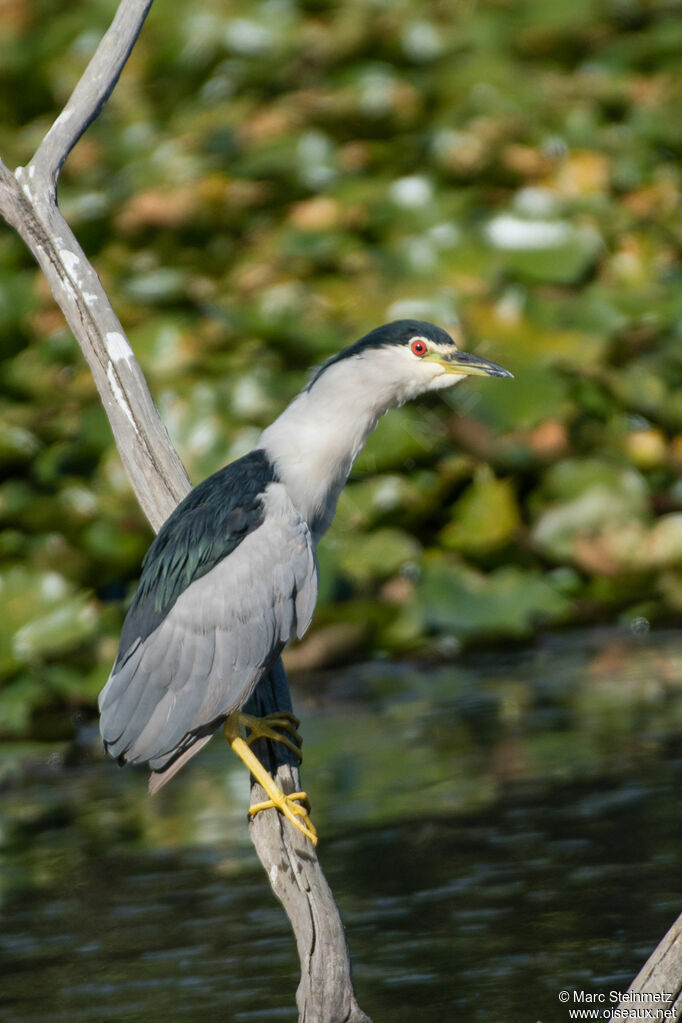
<point>494,831</point>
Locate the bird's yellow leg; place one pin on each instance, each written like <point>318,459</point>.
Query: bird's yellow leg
<point>288,805</point>
<point>270,727</point>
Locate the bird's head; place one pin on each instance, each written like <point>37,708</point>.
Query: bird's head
<point>407,358</point>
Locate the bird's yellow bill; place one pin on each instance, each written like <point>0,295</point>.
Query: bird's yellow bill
<point>466,364</point>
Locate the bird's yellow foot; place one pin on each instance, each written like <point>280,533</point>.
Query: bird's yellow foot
<point>271,726</point>
<point>293,806</point>
<point>290,806</point>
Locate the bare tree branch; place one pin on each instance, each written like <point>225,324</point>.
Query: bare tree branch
<point>28,203</point>
<point>657,988</point>
<point>325,992</point>
<point>92,90</point>
<point>155,470</point>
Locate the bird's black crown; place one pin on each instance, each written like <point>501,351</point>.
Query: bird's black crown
<point>399,332</point>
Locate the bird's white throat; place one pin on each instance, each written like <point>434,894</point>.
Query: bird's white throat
<point>315,441</point>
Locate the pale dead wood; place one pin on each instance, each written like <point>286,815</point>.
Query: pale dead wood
<point>325,992</point>
<point>660,975</point>
<point>28,203</point>
<point>92,89</point>
<point>155,470</point>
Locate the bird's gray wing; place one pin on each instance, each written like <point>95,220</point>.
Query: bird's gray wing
<point>203,659</point>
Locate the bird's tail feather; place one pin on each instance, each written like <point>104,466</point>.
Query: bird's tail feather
<point>158,779</point>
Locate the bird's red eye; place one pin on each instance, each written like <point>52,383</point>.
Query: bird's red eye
<point>418,348</point>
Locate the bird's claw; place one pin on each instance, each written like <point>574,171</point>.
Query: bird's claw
<point>293,806</point>
<point>271,726</point>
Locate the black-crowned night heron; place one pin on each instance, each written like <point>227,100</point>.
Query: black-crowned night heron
<point>232,574</point>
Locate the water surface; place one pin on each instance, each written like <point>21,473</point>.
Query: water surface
<point>494,831</point>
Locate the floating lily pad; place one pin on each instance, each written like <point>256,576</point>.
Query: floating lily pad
<point>459,601</point>
<point>401,440</point>
<point>272,181</point>
<point>593,498</point>
<point>43,615</point>
<point>372,558</point>
<point>556,252</point>
<point>484,518</point>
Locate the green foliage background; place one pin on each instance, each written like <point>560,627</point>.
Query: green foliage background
<point>271,179</point>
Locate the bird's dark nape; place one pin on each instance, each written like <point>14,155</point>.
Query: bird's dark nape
<point>399,332</point>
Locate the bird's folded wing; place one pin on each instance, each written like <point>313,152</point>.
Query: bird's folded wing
<point>209,650</point>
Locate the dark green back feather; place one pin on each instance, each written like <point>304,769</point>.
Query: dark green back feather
<point>205,528</point>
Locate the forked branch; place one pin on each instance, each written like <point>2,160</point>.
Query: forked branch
<point>28,203</point>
